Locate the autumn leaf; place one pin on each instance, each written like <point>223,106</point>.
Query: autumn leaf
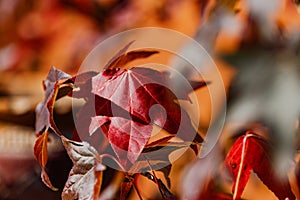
<point>55,87</point>
<point>136,91</point>
<point>59,84</point>
<point>122,58</point>
<point>113,103</point>
<point>82,85</point>
<point>46,180</point>
<point>121,104</point>
<point>127,137</point>
<point>41,150</point>
<point>252,152</point>
<point>85,178</point>
<point>41,154</point>
<point>94,106</point>
<point>161,153</point>
<point>44,110</point>
<point>143,93</point>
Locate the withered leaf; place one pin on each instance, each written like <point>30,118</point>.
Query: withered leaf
<point>46,180</point>
<point>85,178</point>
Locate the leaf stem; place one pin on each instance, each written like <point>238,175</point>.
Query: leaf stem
<point>241,165</point>
<point>158,182</point>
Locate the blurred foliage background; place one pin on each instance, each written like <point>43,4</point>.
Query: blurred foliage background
<point>255,45</point>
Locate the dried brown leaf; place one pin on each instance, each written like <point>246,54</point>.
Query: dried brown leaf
<point>85,178</point>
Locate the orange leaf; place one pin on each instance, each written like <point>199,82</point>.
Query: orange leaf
<point>40,149</point>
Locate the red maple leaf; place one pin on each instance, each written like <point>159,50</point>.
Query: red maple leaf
<point>137,91</point>
<point>145,96</point>
<point>253,152</point>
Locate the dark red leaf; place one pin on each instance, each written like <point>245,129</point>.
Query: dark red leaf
<point>44,110</point>
<point>122,58</point>
<point>124,105</point>
<point>112,62</point>
<point>56,86</point>
<point>143,93</point>
<point>82,84</point>
<point>160,142</point>
<point>127,137</point>
<point>252,152</point>
<point>85,114</point>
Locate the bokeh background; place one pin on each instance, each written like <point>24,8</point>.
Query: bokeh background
<point>35,35</point>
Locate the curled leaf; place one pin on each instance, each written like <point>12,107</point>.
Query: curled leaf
<point>41,150</point>
<point>41,154</point>
<point>46,180</point>
<point>122,58</point>
<point>55,80</point>
<point>85,178</point>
